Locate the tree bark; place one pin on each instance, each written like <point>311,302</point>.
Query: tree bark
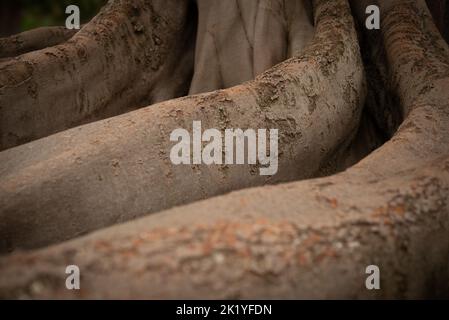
<point>123,59</point>
<point>33,40</point>
<point>302,239</point>
<point>118,169</point>
<point>238,40</point>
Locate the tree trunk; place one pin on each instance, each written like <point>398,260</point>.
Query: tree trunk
<point>301,239</point>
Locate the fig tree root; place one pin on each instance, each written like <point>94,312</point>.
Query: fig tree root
<point>33,40</point>
<point>118,169</point>
<point>133,53</point>
<point>303,239</point>
<point>238,40</point>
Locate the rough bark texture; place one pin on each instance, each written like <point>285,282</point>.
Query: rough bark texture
<point>33,40</point>
<point>118,169</point>
<point>303,239</point>
<point>132,54</point>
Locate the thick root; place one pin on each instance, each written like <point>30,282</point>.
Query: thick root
<point>298,240</point>
<point>118,169</point>
<point>130,55</point>
<point>33,40</point>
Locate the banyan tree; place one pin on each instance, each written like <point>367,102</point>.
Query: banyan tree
<point>363,157</point>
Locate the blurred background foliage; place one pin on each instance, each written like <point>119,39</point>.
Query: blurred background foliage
<point>20,15</point>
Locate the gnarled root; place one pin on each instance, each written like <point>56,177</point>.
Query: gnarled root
<point>33,40</point>
<point>132,54</point>
<point>301,239</point>
<point>117,169</point>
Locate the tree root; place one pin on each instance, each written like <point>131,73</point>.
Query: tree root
<point>123,59</point>
<point>33,40</point>
<point>304,239</point>
<point>114,170</point>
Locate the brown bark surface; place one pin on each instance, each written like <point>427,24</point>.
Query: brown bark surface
<point>302,239</point>
<point>118,169</point>
<point>130,55</point>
